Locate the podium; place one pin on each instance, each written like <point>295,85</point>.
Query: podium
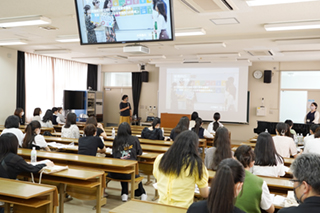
<point>169,120</point>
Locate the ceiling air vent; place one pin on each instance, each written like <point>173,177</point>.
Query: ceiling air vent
<point>261,52</point>
<point>209,6</point>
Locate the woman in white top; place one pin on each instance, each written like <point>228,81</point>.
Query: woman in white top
<point>313,116</point>
<point>213,126</point>
<point>12,126</point>
<point>70,129</point>
<point>201,132</point>
<point>36,114</point>
<point>267,161</point>
<point>47,119</point>
<point>313,145</point>
<point>192,122</point>
<point>285,145</point>
<point>161,21</point>
<point>33,138</point>
<point>312,131</point>
<point>60,117</point>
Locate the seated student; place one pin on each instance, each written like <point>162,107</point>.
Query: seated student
<point>100,132</point>
<point>225,188</point>
<point>201,132</point>
<point>33,138</point>
<point>255,193</point>
<point>154,132</point>
<point>313,129</point>
<point>36,114</point>
<point>70,129</point>
<point>221,149</point>
<point>179,169</point>
<point>313,145</point>
<point>306,187</point>
<point>15,164</point>
<point>19,112</point>
<point>127,147</point>
<point>60,117</point>
<point>55,115</point>
<point>90,144</point>
<point>192,121</point>
<point>181,126</point>
<point>47,119</point>
<point>285,145</point>
<point>267,161</point>
<point>11,125</point>
<point>291,131</point>
<point>213,126</point>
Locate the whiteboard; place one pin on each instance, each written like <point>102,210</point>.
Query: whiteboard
<point>293,105</point>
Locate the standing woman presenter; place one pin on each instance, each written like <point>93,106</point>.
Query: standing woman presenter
<point>313,116</point>
<point>125,110</point>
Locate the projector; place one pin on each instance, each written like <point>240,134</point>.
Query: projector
<point>136,49</point>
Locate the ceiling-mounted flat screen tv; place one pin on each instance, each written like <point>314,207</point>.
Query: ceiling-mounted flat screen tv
<point>124,21</point>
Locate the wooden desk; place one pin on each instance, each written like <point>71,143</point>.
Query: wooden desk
<point>146,147</point>
<point>28,196</point>
<point>137,206</point>
<point>88,162</point>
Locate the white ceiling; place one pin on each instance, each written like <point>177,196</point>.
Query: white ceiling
<point>248,35</point>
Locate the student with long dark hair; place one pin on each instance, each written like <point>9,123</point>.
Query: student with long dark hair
<point>70,129</point>
<point>14,164</point>
<point>221,149</point>
<point>193,118</point>
<point>33,138</point>
<point>225,187</point>
<point>20,113</point>
<point>285,145</point>
<point>161,21</point>
<point>127,147</point>
<point>267,162</point>
<point>213,126</point>
<point>11,125</point>
<point>179,169</point>
<point>255,193</point>
<point>36,114</point>
<point>201,132</point>
<point>100,132</point>
<point>47,119</point>
<point>154,132</point>
<point>181,126</point>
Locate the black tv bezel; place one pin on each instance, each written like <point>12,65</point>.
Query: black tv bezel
<point>125,42</point>
<point>84,93</point>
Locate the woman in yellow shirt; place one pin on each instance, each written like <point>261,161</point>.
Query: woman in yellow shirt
<point>179,169</point>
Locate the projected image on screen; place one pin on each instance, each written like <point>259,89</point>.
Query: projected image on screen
<point>110,21</point>
<point>193,91</point>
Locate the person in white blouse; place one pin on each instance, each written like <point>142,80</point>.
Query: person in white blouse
<point>313,145</point>
<point>285,145</point>
<point>60,117</point>
<point>47,119</point>
<point>70,129</point>
<point>161,21</point>
<point>267,160</point>
<point>201,132</point>
<point>313,129</point>
<point>213,126</point>
<point>33,138</point>
<point>11,125</point>
<point>36,114</point>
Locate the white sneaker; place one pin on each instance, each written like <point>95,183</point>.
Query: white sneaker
<point>144,197</point>
<point>124,198</point>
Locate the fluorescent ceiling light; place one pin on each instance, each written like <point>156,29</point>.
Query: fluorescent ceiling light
<point>190,32</point>
<point>303,25</point>
<point>68,38</point>
<point>147,57</point>
<point>200,45</point>
<point>24,21</point>
<point>218,55</point>
<point>110,49</point>
<point>252,3</point>
<point>52,51</point>
<point>12,42</point>
<point>298,41</point>
<point>300,52</point>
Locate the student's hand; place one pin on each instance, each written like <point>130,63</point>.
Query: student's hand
<point>100,126</point>
<point>49,163</point>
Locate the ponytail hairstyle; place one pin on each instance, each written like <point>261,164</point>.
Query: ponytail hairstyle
<point>244,155</point>
<point>196,127</point>
<point>223,147</point>
<point>30,134</point>
<point>317,133</point>
<point>216,118</point>
<point>155,122</point>
<point>222,194</point>
<point>282,128</point>
<point>182,125</point>
<point>86,8</point>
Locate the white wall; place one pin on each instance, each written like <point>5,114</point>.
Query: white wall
<point>8,79</point>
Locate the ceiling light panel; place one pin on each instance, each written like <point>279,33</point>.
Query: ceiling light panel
<point>253,3</point>
<point>200,45</point>
<point>24,21</point>
<point>225,21</point>
<point>12,42</point>
<point>302,25</point>
<point>190,32</point>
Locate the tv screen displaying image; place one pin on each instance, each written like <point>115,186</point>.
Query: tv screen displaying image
<point>123,21</point>
<point>74,99</point>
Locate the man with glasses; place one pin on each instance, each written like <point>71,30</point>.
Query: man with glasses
<point>306,184</point>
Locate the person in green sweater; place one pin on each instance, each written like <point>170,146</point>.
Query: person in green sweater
<point>255,193</point>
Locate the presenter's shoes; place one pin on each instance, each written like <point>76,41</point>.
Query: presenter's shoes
<point>124,198</point>
<point>144,197</point>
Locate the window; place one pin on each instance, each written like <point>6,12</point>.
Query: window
<point>117,79</point>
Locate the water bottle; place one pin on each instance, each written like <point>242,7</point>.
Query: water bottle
<point>113,133</point>
<point>266,130</point>
<point>162,131</point>
<point>33,155</point>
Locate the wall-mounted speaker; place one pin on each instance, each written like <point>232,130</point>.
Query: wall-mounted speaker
<point>267,76</point>
<point>145,76</point>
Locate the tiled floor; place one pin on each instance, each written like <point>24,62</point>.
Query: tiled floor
<point>113,199</point>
